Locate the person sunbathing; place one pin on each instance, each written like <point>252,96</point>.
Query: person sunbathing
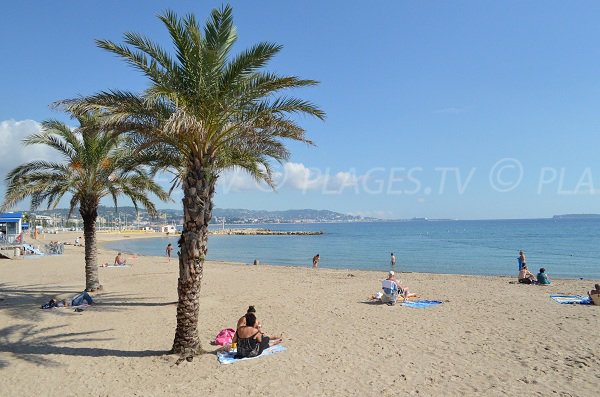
<point>595,294</point>
<point>402,290</point>
<point>242,321</point>
<point>542,277</point>
<point>392,289</point>
<point>526,277</point>
<point>120,260</point>
<point>77,300</point>
<point>251,342</point>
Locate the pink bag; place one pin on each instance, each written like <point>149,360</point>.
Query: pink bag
<point>224,337</point>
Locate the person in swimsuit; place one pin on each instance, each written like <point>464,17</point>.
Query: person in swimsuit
<point>120,260</point>
<point>316,259</point>
<point>168,250</point>
<point>526,277</point>
<point>521,260</point>
<point>393,260</point>
<point>242,321</point>
<point>595,295</point>
<point>251,342</point>
<point>402,290</point>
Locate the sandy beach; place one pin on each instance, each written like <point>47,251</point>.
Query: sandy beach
<point>489,337</point>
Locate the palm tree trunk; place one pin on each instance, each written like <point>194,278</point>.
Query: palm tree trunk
<point>89,213</point>
<point>198,191</point>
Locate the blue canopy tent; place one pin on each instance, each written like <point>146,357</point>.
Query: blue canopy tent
<point>11,227</point>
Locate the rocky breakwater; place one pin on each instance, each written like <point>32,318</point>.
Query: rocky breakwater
<point>265,232</point>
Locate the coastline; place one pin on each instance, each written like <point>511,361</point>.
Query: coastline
<point>488,336</point>
<point>112,237</point>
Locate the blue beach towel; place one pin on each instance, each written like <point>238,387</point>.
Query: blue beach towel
<point>571,299</point>
<point>421,303</point>
<point>229,357</point>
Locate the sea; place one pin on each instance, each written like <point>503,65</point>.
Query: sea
<point>566,248</point>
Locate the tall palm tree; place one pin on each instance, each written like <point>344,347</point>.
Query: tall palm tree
<point>206,111</point>
<point>95,163</point>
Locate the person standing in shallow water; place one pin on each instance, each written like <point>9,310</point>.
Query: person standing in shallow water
<point>393,260</point>
<point>316,259</point>
<point>522,261</point>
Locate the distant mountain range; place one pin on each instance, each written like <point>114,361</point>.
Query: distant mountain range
<point>219,214</point>
<point>577,216</point>
<point>302,215</point>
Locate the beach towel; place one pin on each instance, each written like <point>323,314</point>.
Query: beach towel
<point>421,303</point>
<point>572,299</point>
<point>229,357</point>
<point>117,266</point>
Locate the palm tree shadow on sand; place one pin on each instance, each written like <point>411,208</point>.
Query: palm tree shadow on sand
<point>33,344</point>
<point>23,301</point>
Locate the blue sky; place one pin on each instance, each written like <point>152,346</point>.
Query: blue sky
<point>464,109</point>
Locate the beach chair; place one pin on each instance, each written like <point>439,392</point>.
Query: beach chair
<point>390,292</point>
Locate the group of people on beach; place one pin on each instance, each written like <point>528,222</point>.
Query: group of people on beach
<point>526,277</point>
<point>249,340</point>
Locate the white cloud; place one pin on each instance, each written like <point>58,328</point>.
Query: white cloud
<point>296,176</point>
<point>12,151</point>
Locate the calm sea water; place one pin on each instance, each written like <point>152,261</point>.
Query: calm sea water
<point>566,248</point>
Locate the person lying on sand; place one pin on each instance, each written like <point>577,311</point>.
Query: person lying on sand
<point>526,277</point>
<point>77,300</point>
<point>251,342</point>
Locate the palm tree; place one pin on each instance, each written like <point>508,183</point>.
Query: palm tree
<point>96,163</point>
<point>206,111</point>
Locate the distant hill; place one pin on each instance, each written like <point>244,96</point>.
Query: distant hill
<point>577,216</point>
<point>301,215</point>
<point>230,215</point>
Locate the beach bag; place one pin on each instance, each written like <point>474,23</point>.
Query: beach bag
<point>224,337</point>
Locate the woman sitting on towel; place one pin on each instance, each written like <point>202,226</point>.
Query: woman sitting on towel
<point>251,342</point>
<point>242,321</point>
<point>595,294</point>
<point>120,260</point>
<point>526,277</point>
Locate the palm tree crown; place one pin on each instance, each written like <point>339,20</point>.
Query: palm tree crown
<point>91,163</point>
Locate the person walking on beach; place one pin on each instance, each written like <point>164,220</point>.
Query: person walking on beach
<point>521,260</point>
<point>393,259</point>
<point>168,250</point>
<point>316,261</point>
